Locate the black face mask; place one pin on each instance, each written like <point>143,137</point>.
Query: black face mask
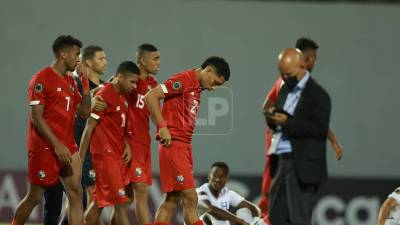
<point>291,82</point>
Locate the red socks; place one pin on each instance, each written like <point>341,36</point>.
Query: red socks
<point>160,223</point>
<point>198,222</point>
<point>13,222</point>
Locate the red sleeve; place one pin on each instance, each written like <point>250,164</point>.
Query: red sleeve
<point>97,115</point>
<point>273,93</point>
<point>37,91</point>
<point>175,85</point>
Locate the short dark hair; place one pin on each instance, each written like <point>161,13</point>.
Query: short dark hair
<point>128,67</point>
<point>222,165</point>
<point>304,44</point>
<point>146,47</point>
<point>90,51</point>
<point>219,64</point>
<point>63,41</point>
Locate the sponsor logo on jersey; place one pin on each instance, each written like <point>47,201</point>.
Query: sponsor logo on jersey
<point>180,179</point>
<point>138,172</point>
<point>41,174</point>
<point>176,85</point>
<point>38,87</point>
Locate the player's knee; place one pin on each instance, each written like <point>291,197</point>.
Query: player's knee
<point>121,208</point>
<point>33,199</point>
<point>189,199</point>
<point>76,193</point>
<point>141,191</point>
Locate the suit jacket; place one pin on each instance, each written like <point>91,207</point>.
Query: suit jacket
<point>307,131</point>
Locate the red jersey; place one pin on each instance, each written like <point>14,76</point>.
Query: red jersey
<point>181,104</point>
<point>108,136</point>
<point>59,96</point>
<point>272,96</point>
<point>138,114</point>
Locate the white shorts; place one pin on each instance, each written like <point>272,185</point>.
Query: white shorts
<point>391,222</point>
<point>242,213</point>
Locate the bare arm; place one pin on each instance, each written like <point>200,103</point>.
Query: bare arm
<point>86,136</point>
<point>220,213</point>
<point>255,211</point>
<point>127,155</point>
<point>152,99</point>
<point>385,209</point>
<point>40,125</point>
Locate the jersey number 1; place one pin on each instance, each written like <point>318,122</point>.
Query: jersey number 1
<point>123,120</point>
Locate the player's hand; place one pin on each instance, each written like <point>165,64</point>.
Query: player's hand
<point>165,136</point>
<point>83,73</point>
<point>63,154</point>
<point>278,118</point>
<point>270,111</point>
<point>98,103</point>
<point>126,157</point>
<point>338,148</point>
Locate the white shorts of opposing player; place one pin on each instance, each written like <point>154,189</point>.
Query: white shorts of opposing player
<point>391,222</point>
<point>394,216</point>
<point>242,213</point>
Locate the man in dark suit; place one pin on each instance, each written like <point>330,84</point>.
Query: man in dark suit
<point>300,121</point>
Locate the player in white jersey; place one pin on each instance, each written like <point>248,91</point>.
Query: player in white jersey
<point>216,201</point>
<point>389,214</point>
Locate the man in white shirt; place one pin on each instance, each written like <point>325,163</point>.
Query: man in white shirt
<point>389,214</point>
<point>215,200</point>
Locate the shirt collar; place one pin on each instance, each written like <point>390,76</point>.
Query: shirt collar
<point>302,83</point>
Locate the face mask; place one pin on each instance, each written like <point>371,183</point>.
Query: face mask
<point>291,82</point>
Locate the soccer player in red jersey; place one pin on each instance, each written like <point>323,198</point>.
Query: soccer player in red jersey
<point>105,131</point>
<point>175,123</point>
<point>139,174</point>
<point>54,100</point>
<point>309,49</point>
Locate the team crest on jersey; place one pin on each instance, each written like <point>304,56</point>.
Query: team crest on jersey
<point>138,172</point>
<point>72,88</point>
<point>38,88</point>
<point>126,104</point>
<point>180,179</point>
<point>92,174</point>
<point>121,192</point>
<point>176,85</point>
<point>41,174</point>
